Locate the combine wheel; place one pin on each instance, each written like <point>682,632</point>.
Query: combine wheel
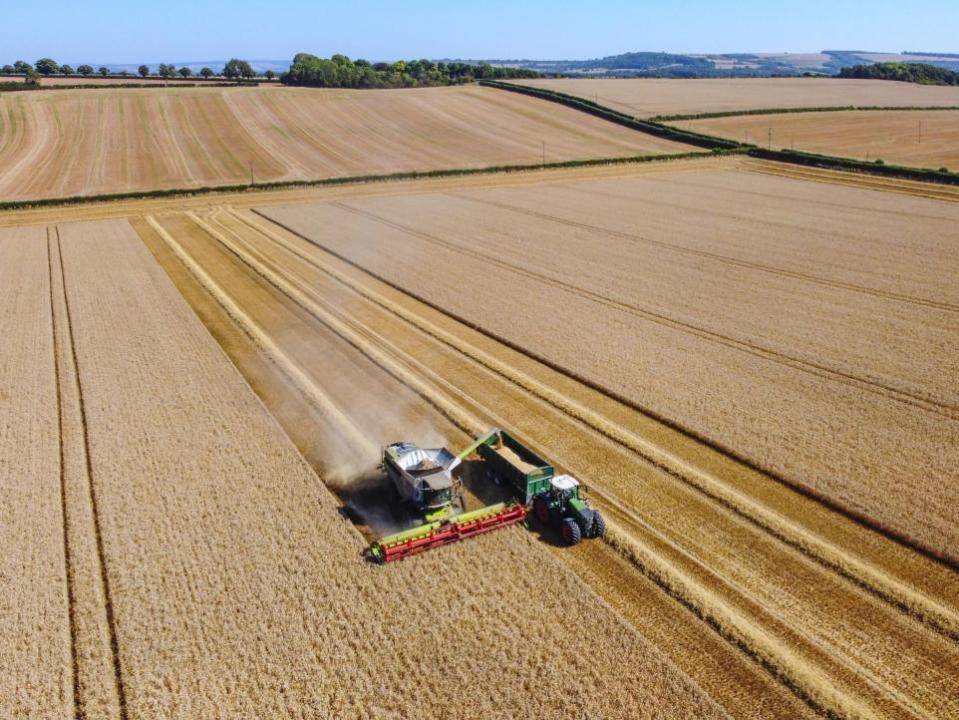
<point>541,510</point>
<point>599,525</point>
<point>571,532</point>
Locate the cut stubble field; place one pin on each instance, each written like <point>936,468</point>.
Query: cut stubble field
<point>909,137</point>
<point>648,97</point>
<point>88,142</point>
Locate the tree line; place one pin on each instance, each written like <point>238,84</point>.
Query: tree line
<point>342,72</point>
<point>921,73</point>
<point>235,69</point>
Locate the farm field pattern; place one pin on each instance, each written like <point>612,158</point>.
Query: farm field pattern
<point>228,582</point>
<point>87,142</point>
<point>790,580</point>
<point>650,96</point>
<point>910,137</point>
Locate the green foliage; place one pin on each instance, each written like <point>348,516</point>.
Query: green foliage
<point>144,70</point>
<point>877,167</point>
<point>66,70</point>
<point>85,70</point>
<point>166,71</point>
<point>185,72</point>
<point>104,71</point>
<point>47,66</point>
<point>21,68</point>
<point>269,74</point>
<point>921,73</point>
<point>7,70</point>
<point>206,73</point>
<point>340,71</point>
<point>235,69</point>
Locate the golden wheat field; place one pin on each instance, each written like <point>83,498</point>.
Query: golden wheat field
<point>647,97</point>
<point>227,581</point>
<point>910,137</point>
<point>87,142</point>
<point>749,365</point>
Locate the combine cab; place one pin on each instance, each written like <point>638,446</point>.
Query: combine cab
<point>423,479</point>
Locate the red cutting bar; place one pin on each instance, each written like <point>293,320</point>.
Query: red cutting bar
<point>454,531</point>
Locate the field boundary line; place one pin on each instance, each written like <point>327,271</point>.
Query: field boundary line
<point>658,128</point>
<point>350,180</point>
<point>748,637</point>
<point>795,111</point>
<point>933,613</point>
<point>822,371</point>
<point>94,505</point>
<point>326,407</point>
<point>75,699</point>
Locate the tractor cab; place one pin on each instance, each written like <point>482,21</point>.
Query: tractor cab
<point>564,488</point>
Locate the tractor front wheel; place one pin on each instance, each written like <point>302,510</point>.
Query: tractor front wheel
<point>570,531</point>
<point>541,510</point>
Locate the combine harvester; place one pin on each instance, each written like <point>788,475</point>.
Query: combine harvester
<point>423,480</point>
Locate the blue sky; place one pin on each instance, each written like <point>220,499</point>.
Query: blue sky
<point>175,31</point>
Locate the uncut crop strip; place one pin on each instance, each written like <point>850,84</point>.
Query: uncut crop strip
<point>258,267</point>
<point>36,665</point>
<point>392,256</point>
<point>494,579</point>
<point>819,369</point>
<point>943,617</point>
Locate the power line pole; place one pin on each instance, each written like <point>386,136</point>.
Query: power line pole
<point>544,152</point>
<point>920,132</point>
<point>770,133</point>
<point>252,180</point>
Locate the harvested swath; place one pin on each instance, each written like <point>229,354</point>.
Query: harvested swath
<point>647,97</point>
<point>241,591</point>
<point>36,678</point>
<point>909,137</point>
<point>787,399</point>
<point>86,142</point>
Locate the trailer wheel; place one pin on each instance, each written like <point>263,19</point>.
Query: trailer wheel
<point>541,510</point>
<point>571,532</point>
<point>599,525</point>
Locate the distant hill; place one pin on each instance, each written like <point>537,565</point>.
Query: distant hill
<point>661,64</point>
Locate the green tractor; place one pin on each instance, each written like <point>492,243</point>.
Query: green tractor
<point>557,500</point>
<point>563,508</point>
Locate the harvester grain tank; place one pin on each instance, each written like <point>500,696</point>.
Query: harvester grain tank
<point>423,478</point>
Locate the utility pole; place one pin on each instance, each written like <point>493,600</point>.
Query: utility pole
<point>544,152</point>
<point>252,181</point>
<point>920,132</point>
<point>770,134</point>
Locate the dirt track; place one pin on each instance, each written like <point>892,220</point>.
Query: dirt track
<point>646,97</point>
<point>87,142</point>
<point>773,572</point>
<point>917,138</point>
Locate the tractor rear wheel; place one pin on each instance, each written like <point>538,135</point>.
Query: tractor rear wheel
<point>599,525</point>
<point>570,531</point>
<point>541,510</point>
